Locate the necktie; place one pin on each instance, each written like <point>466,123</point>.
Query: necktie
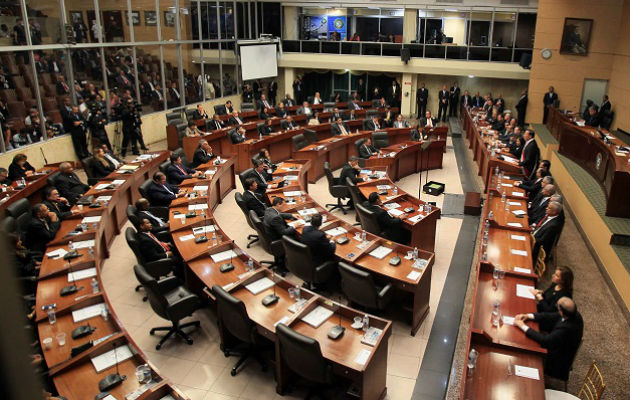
<point>343,130</point>
<point>65,87</point>
<point>540,224</point>
<point>167,189</point>
<point>162,244</point>
<point>523,153</point>
<point>181,169</point>
<point>261,177</point>
<point>159,221</point>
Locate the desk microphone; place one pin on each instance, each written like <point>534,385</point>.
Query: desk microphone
<point>271,298</point>
<point>203,237</point>
<point>111,380</point>
<point>336,331</point>
<point>70,289</point>
<point>226,267</point>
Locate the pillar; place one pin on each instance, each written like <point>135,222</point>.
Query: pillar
<point>291,23</point>
<point>410,24</point>
<point>407,94</point>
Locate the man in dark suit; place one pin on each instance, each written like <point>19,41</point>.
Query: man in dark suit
<point>263,102</point>
<point>78,129</point>
<point>288,124</point>
<point>335,114</point>
<point>275,221</point>
<point>354,105</point>
<point>160,193</point>
<point>216,123</point>
<point>273,91</point>
<point>297,90</point>
<point>549,100</point>
<point>360,89</point>
<point>235,119</point>
<point>454,99</point>
<point>547,229</point>
<point>281,111</point>
<point>266,128</point>
<point>373,124</point>
<point>428,121</point>
<point>200,113</point>
<point>393,94</point>
<point>158,225</point>
<point>351,170</point>
<point>322,249</point>
<point>339,128</point>
<point>41,229</point>
<point>228,108</point>
<point>57,204</point>
<point>534,186</point>
<point>521,108</point>
<point>443,97</point>
<point>252,199</point>
<point>422,97</point>
<point>592,118</point>
<point>61,86</point>
<point>261,176</point>
<point>174,96</point>
<point>477,100</point>
<point>237,135</point>
<point>68,183</point>
<point>391,226</point>
<point>177,172</point>
<point>606,106</point>
<point>530,154</point>
<point>153,249</point>
<point>288,101</point>
<point>538,207</point>
<point>202,154</point>
<point>466,99</point>
<point>366,150</point>
<point>564,339</point>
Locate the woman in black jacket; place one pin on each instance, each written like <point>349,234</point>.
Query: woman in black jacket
<point>561,286</point>
<point>20,168</point>
<point>100,166</point>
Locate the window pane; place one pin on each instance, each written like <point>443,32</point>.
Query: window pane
<point>150,80</point>
<point>271,20</point>
<point>43,17</point>
<point>168,15</point>
<point>226,12</point>
<point>242,20</point>
<point>455,27</point>
<point>191,71</point>
<point>480,28</point>
<point>185,23</point>
<point>171,76</point>
<point>145,29</point>
<point>114,20</point>
<point>525,30</point>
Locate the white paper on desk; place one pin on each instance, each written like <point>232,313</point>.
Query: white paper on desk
<point>109,359</point>
<point>308,211</point>
<point>524,291</point>
<point>366,172</point>
<point>416,218</point>
<point>518,194</point>
<point>518,212</point>
<point>118,182</point>
<point>508,320</point>
<point>518,237</point>
<point>413,275</point>
<point>260,285</point>
<point>514,203</point>
<point>383,187</point>
<point>204,229</point>
<point>101,186</point>
<point>186,237</point>
<point>57,253</point>
<point>515,224</point>
<point>82,274</point>
<point>167,397</point>
<point>526,372</point>
<point>110,397</point>
<point>296,223</point>
<point>224,255</point>
<point>282,320</point>
<point>292,193</point>
<point>519,252</point>
<point>389,206</point>
<point>523,270</point>
<point>200,188</point>
<point>91,220</point>
<point>129,167</point>
<point>395,212</point>
<point>510,159</point>
<point>200,206</point>
<point>84,244</point>
<point>88,312</point>
<point>380,252</point>
<point>507,185</point>
<point>317,317</point>
<point>362,357</point>
<point>336,231</point>
<point>103,198</point>
<point>210,171</point>
<point>290,177</point>
<point>145,157</point>
<point>180,216</point>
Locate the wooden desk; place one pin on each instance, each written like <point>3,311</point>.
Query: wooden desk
<point>406,158</point>
<point>33,190</point>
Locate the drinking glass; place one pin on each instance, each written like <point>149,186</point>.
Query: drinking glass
<point>61,339</point>
<point>292,293</point>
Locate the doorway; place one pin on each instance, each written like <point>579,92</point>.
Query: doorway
<point>594,89</point>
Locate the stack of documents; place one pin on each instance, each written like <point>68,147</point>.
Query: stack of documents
<point>88,312</point>
<point>201,206</point>
<point>204,229</point>
<point>82,274</point>
<point>260,285</point>
<point>336,231</point>
<point>317,317</point>
<point>112,357</point>
<point>91,220</point>
<point>224,255</point>
<point>380,252</point>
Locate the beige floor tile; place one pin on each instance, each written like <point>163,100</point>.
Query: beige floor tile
<point>218,396</point>
<point>399,388</point>
<point>175,369</point>
<point>403,366</point>
<point>230,385</point>
<point>261,385</point>
<point>202,376</point>
<point>193,393</point>
<point>407,345</point>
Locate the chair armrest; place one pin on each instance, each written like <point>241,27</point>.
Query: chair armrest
<point>164,236</point>
<point>160,267</point>
<point>160,212</point>
<point>183,307</point>
<point>276,248</point>
<point>326,265</point>
<point>167,284</point>
<point>386,291</point>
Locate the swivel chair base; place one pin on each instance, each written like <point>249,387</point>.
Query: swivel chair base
<point>243,357</point>
<point>145,298</point>
<point>340,206</point>
<point>252,239</point>
<point>175,329</point>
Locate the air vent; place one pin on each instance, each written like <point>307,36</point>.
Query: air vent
<point>516,2</point>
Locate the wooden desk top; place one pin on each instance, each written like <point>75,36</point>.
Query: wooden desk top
<point>34,183</point>
<point>502,246</point>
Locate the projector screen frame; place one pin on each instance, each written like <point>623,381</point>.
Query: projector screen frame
<point>260,42</point>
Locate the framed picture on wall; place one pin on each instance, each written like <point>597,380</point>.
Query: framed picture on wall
<point>150,18</point>
<point>135,17</point>
<point>76,16</point>
<point>576,36</point>
<point>169,18</point>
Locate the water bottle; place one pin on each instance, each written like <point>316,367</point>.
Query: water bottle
<point>472,358</point>
<point>485,238</point>
<point>496,170</point>
<point>23,182</point>
<point>91,251</point>
<point>366,322</point>
<point>503,198</point>
<point>486,227</point>
<point>395,190</point>
<point>52,317</point>
<point>260,136</point>
<point>214,238</point>
<point>250,264</point>
<point>484,255</point>
<point>94,284</point>
<point>428,208</point>
<point>495,314</point>
<point>70,245</point>
<point>104,314</point>
<point>490,196</point>
<point>490,214</point>
<point>415,253</point>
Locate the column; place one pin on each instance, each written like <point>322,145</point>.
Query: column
<point>407,94</point>
<point>290,23</point>
<point>410,23</point>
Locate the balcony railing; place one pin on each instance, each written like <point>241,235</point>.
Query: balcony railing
<point>417,50</point>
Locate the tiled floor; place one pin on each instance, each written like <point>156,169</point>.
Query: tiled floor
<point>202,371</point>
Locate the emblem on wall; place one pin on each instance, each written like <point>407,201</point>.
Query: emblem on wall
<point>598,160</point>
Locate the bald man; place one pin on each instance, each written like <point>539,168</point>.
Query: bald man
<point>563,339</point>
<point>68,183</point>
<point>547,229</point>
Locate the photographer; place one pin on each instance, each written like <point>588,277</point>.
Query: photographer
<point>131,119</point>
<point>97,123</point>
<point>77,131</point>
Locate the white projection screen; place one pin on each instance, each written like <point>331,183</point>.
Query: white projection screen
<point>258,61</point>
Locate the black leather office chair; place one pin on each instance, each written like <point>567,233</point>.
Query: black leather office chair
<point>180,152</point>
<point>18,208</point>
<point>366,126</point>
<point>380,139</point>
<point>300,263</point>
<point>162,233</point>
<point>259,127</point>
<point>273,247</point>
<point>89,170</point>
<point>171,117</point>
<point>355,194</point>
<point>176,121</point>
<point>144,188</point>
<point>181,132</point>
<point>219,109</point>
<point>607,118</point>
<point>310,135</point>
<point>375,103</point>
<point>170,300</point>
<point>336,190</point>
<point>156,268</point>
<point>358,144</point>
<point>232,319</point>
<point>303,356</point>
<point>415,135</point>
<point>164,167</point>
<point>368,219</point>
<point>8,225</point>
<point>247,106</point>
<point>189,114</point>
<point>52,179</point>
<point>329,105</point>
<point>241,204</point>
<point>244,175</point>
<point>359,288</point>
<point>299,141</point>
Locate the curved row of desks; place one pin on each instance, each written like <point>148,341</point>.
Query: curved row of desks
<point>502,348</point>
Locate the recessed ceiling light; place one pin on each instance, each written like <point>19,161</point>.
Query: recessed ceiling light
<point>471,76</point>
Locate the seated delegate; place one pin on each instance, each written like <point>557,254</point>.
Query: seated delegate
<point>252,199</point>
<point>57,204</point>
<point>101,167</point>
<point>20,167</point>
<point>321,247</point>
<point>203,154</point>
<point>160,193</point>
<point>41,229</point>
<point>178,172</point>
<point>69,184</point>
